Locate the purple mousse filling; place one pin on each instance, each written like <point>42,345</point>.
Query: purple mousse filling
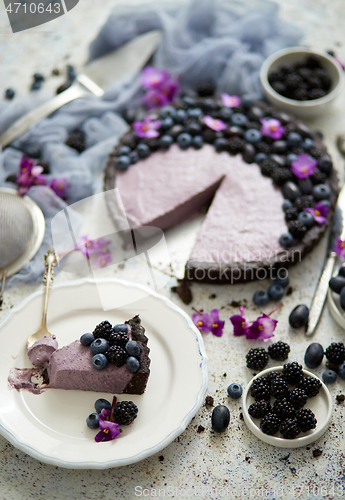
<point>40,352</point>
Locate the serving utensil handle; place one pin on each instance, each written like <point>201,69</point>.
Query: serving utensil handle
<point>50,262</point>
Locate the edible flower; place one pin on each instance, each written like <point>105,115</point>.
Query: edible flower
<point>319,213</point>
<point>95,248</point>
<point>303,166</point>
<point>148,128</point>
<point>272,128</point>
<point>29,175</point>
<point>60,187</point>
<point>109,430</point>
<point>103,260</point>
<point>240,323</point>
<point>151,78</point>
<point>209,322</point>
<point>214,124</point>
<point>230,101</point>
<point>262,328</point>
<point>161,87</point>
<point>340,248</point>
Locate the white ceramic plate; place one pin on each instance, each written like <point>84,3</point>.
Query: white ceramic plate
<point>321,405</point>
<point>337,311</point>
<point>51,426</point>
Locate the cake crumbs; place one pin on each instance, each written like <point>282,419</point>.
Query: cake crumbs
<point>238,303</point>
<point>200,429</point>
<point>247,459</point>
<point>340,398</point>
<point>317,453</point>
<point>212,296</point>
<point>209,401</point>
<point>161,458</point>
<point>241,416</point>
<point>183,291</point>
<point>289,291</point>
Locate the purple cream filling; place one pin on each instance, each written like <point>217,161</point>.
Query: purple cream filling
<point>40,352</point>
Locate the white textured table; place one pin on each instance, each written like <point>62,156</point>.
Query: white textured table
<point>234,464</point>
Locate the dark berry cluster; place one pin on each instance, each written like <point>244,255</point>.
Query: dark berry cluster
<point>257,357</point>
<point>119,412</point>
<point>303,81</point>
<point>287,414</point>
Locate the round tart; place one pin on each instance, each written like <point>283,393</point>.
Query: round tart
<point>256,169</point>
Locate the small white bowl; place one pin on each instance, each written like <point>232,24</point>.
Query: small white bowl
<point>302,109</point>
<point>320,405</point>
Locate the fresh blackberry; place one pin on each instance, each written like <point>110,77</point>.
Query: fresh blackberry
<point>317,153</point>
<point>257,358</point>
<point>316,93</point>
<point>263,147</point>
<point>259,409</point>
<point>260,389</point>
<point>313,61</point>
<point>293,372</point>
<point>291,214</point>
<point>282,175</point>
<point>310,385</point>
<point>318,177</point>
<point>236,144</point>
<point>271,376</point>
<point>279,388</point>
<point>293,80</point>
<point>270,424</point>
<point>103,330</point>
<point>297,150</point>
<point>116,355</point>
<point>284,408</point>
<point>335,353</point>
<point>206,88</point>
<point>209,136</point>
<point>289,428</point>
<point>118,338</point>
<point>267,167</point>
<point>306,419</point>
<point>279,87</point>
<point>298,397</point>
<point>253,124</point>
<point>305,72</point>
<point>305,201</point>
<point>314,83</point>
<point>279,351</point>
<point>297,229</point>
<point>76,140</point>
<point>301,94</point>
<point>152,143</point>
<point>125,412</point>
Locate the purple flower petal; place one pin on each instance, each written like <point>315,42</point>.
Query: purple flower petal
<point>202,322</point>
<point>217,324</point>
<point>214,124</point>
<point>262,328</point>
<point>101,246</point>
<point>230,101</point>
<point>155,99</point>
<point>319,213</point>
<point>29,175</point>
<point>147,128</point>
<point>103,260</point>
<point>85,245</point>
<point>152,78</point>
<point>340,248</point>
<point>272,128</point>
<point>240,323</point>
<point>60,187</point>
<point>303,166</point>
<point>108,430</point>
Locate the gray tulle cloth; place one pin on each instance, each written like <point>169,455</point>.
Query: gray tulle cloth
<point>225,40</point>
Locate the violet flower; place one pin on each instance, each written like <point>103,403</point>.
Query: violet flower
<point>103,260</point>
<point>214,124</point>
<point>319,213</point>
<point>216,323</point>
<point>60,187</point>
<point>262,328</point>
<point>240,323</point>
<point>202,321</point>
<point>148,128</point>
<point>152,78</point>
<point>155,99</point>
<point>29,175</point>
<point>303,166</point>
<point>272,128</point>
<point>101,246</point>
<point>340,248</point>
<point>85,245</point>
<point>230,101</point>
<point>108,430</point>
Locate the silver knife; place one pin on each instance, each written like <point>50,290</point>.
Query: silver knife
<point>322,287</point>
<point>96,77</point>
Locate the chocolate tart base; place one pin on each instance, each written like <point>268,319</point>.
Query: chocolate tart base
<point>137,384</point>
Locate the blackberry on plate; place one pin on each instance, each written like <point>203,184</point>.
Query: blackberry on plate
<point>263,147</point>
<point>279,351</point>
<point>116,355</point>
<point>260,389</point>
<point>282,175</point>
<point>103,330</point>
<point>270,424</point>
<point>291,214</point>
<point>257,358</point>
<point>271,376</point>
<point>305,201</point>
<point>279,388</point>
<point>236,144</point>
<point>306,419</point>
<point>298,397</point>
<point>289,428</point>
<point>284,408</point>
<point>118,338</point>
<point>318,177</point>
<point>125,412</point>
<point>259,409</point>
<point>336,353</point>
<point>267,167</point>
<point>206,88</point>
<point>297,229</point>
<point>293,372</point>
<point>310,385</point>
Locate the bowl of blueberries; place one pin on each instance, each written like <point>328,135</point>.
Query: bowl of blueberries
<point>302,81</point>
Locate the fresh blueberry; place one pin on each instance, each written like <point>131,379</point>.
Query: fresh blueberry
<point>235,391</point>
<point>180,116</point>
<point>167,123</point>
<point>294,139</point>
<point>225,114</point>
<point>247,101</point>
<point>9,94</point>
<point>143,150</point>
<point>193,128</point>
<point>306,218</point>
<point>299,316</point>
<point>221,144</point>
<point>286,205</point>
<point>342,299</point>
<point>252,135</point>
<point>313,355</point>
<point>259,157</point>
<point>305,185</point>
<point>124,150</point>
<point>165,141</point>
<point>36,85</point>
<point>261,298</point>
<point>337,283</point>
<point>92,421</point>
<point>281,160</point>
<point>99,346</point>
<point>134,157</point>
<point>239,119</point>
<point>291,191</point>
<point>102,404</point>
<point>189,101</point>
<point>290,158</point>
<point>329,376</point>
<point>168,112</point>
<point>255,113</point>
<point>325,164</point>
<point>341,371</point>
<point>279,147</point>
<point>99,361</point>
<point>38,77</point>
<point>307,144</point>
<point>132,364</point>
<point>87,339</point>
<point>122,163</point>
<point>194,113</point>
<point>184,140</point>
<point>341,271</point>
<point>198,142</point>
<point>282,280</point>
<point>121,328</point>
<point>133,348</point>
<point>275,292</point>
<point>322,192</point>
<point>286,240</point>
<point>220,418</point>
<point>326,203</point>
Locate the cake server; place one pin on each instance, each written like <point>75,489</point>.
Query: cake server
<point>96,77</point>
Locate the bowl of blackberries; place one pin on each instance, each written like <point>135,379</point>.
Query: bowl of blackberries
<point>302,81</point>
